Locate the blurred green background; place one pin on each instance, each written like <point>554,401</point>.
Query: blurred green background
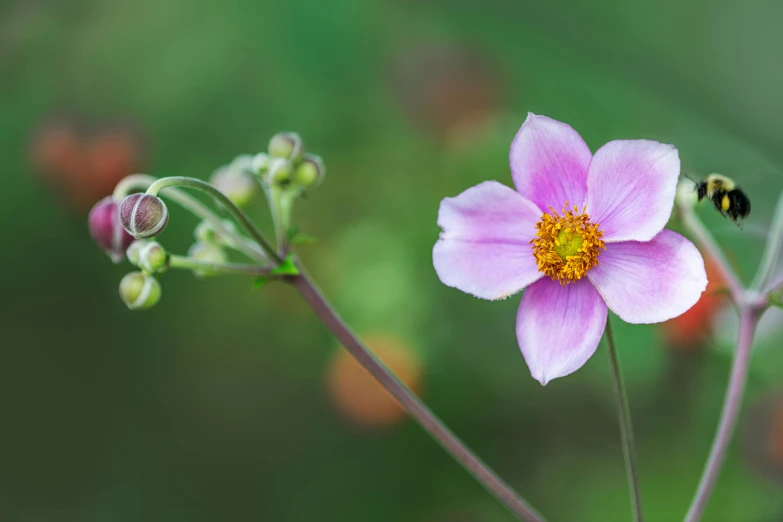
<point>216,404</point>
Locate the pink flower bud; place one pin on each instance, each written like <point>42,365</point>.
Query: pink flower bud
<point>143,215</point>
<point>105,228</point>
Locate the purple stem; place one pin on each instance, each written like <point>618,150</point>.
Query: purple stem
<point>728,420</point>
<point>420,413</point>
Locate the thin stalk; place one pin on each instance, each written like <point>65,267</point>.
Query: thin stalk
<point>624,419</point>
<point>728,418</point>
<point>769,259</point>
<point>195,207</point>
<point>188,263</point>
<point>420,413</point>
<point>707,242</point>
<point>236,212</point>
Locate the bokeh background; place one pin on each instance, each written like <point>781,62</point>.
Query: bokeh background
<point>225,403</point>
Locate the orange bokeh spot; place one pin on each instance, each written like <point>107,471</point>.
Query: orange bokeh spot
<point>693,328</point>
<point>775,443</point>
<point>358,396</point>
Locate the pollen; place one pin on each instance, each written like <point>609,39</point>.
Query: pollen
<point>567,244</point>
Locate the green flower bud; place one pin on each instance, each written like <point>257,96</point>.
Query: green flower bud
<point>279,171</point>
<point>260,163</point>
<point>133,251</point>
<point>143,215</point>
<point>242,163</point>
<point>139,291</point>
<point>287,145</point>
<point>207,253</point>
<point>153,257</point>
<point>236,183</point>
<point>206,233</point>
<point>310,172</point>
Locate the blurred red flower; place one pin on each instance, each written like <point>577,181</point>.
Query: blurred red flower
<point>82,165</point>
<point>358,396</point>
<point>693,328</point>
<point>447,91</point>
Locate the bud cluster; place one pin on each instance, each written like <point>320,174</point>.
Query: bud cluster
<point>287,164</point>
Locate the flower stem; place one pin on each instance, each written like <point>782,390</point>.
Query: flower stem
<point>707,242</point>
<point>771,250</point>
<point>728,419</point>
<point>221,268</point>
<point>624,418</point>
<point>236,212</point>
<point>420,413</point>
<point>142,182</point>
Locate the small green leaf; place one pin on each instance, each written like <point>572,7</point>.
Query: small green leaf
<point>259,282</point>
<point>287,267</point>
<point>302,239</point>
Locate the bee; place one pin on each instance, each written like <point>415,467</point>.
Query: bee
<point>725,195</point>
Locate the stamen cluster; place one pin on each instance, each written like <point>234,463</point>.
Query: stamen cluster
<point>567,245</point>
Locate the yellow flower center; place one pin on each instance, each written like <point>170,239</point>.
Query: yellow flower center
<point>568,245</point>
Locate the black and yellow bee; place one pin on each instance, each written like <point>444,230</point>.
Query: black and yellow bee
<point>725,195</point>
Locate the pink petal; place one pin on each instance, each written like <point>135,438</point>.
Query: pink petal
<point>484,248</point>
<point>559,328</point>
<point>650,282</point>
<point>549,162</point>
<point>630,188</point>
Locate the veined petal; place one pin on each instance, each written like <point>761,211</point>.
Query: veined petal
<point>549,162</point>
<point>653,281</point>
<point>630,188</point>
<point>484,248</point>
<point>559,328</point>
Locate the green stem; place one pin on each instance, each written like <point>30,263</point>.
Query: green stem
<point>218,268</point>
<point>236,212</point>
<point>624,418</point>
<point>195,207</point>
<point>769,259</point>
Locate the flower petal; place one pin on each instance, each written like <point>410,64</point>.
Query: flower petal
<point>559,328</point>
<point>549,162</point>
<point>484,248</point>
<point>630,188</point>
<point>650,282</point>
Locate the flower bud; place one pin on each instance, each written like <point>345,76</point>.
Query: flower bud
<point>143,215</point>
<point>686,195</point>
<point>205,232</point>
<point>152,257</point>
<point>260,163</point>
<point>133,251</point>
<point>106,231</point>
<point>242,163</point>
<point>287,145</point>
<point>279,171</point>
<point>139,291</point>
<point>235,183</point>
<point>310,172</point>
<point>206,253</point>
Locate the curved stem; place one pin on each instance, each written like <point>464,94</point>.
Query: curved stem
<point>771,251</point>
<point>728,419</point>
<point>624,418</point>
<point>194,206</point>
<point>218,268</point>
<point>420,413</point>
<point>236,212</point>
<point>707,242</point>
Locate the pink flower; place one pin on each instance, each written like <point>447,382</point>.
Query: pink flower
<point>606,248</point>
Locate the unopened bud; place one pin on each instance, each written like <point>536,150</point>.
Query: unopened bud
<point>205,232</point>
<point>279,171</point>
<point>260,163</point>
<point>686,195</point>
<point>139,291</point>
<point>236,183</point>
<point>287,145</point>
<point>310,172</point>
<point>153,257</point>
<point>134,249</point>
<point>143,215</point>
<point>242,163</point>
<point>106,230</point>
<point>207,253</point>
